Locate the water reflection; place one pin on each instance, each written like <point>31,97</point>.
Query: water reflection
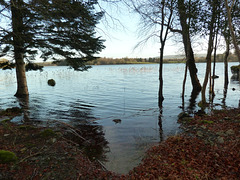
<point>191,108</point>
<point>192,102</point>
<point>90,138</point>
<point>24,104</point>
<point>224,95</point>
<point>82,130</point>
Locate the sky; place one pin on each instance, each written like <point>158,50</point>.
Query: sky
<point>122,35</point>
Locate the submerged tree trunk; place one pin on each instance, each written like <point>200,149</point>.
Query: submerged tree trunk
<point>188,47</point>
<point>214,68</point>
<point>18,43</point>
<point>160,92</point>
<point>209,53</point>
<point>22,89</point>
<point>163,37</point>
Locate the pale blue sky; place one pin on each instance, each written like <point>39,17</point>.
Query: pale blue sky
<point>121,37</point>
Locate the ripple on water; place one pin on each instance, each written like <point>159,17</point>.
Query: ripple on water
<point>104,93</point>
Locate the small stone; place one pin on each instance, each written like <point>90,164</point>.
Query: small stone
<point>199,133</point>
<point>220,140</point>
<point>5,135</point>
<point>53,140</point>
<point>220,133</point>
<point>230,132</point>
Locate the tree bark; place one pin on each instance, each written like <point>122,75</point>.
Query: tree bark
<point>18,43</point>
<point>163,37</point>
<point>209,53</point>
<point>22,89</point>
<point>160,92</point>
<point>188,47</point>
<point>226,62</point>
<point>232,30</point>
<point>184,81</point>
<point>214,64</point>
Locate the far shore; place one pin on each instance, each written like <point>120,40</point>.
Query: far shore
<point>126,60</point>
<point>155,60</point>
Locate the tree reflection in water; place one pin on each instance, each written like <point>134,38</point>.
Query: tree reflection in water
<point>81,129</point>
<point>90,139</point>
<point>192,101</point>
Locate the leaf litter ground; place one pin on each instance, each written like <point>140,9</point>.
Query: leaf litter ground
<point>208,148</point>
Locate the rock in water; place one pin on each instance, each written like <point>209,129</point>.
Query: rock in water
<point>51,82</point>
<point>117,121</point>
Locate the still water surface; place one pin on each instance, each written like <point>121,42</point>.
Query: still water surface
<point>104,93</point>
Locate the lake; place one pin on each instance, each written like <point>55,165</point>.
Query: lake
<point>91,101</point>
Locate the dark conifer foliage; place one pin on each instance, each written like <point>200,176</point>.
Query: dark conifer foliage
<point>51,30</point>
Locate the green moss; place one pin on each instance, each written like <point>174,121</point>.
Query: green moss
<point>218,111</point>
<point>7,156</point>
<point>187,119</point>
<point>6,120</point>
<point>47,133</point>
<point>183,115</point>
<point>200,104</point>
<point>14,111</point>
<point>207,122</point>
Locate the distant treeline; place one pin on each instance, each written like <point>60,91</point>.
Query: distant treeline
<point>126,60</point>
<point>106,61</point>
<point>112,61</point>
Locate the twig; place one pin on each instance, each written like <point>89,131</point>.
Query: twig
<point>102,165</point>
<point>31,155</point>
<point>34,173</point>
<point>73,130</point>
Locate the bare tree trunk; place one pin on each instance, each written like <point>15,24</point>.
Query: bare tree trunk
<point>163,37</point>
<point>208,69</point>
<point>160,92</point>
<point>226,62</point>
<point>188,47</point>
<point>209,53</point>
<point>214,67</point>
<point>22,89</point>
<point>229,9</point>
<point>18,43</point>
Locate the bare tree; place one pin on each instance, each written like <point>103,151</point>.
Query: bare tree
<point>229,10</point>
<point>156,20</point>
<point>212,26</point>
<point>185,17</point>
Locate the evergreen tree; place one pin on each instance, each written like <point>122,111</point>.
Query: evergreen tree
<point>49,30</point>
